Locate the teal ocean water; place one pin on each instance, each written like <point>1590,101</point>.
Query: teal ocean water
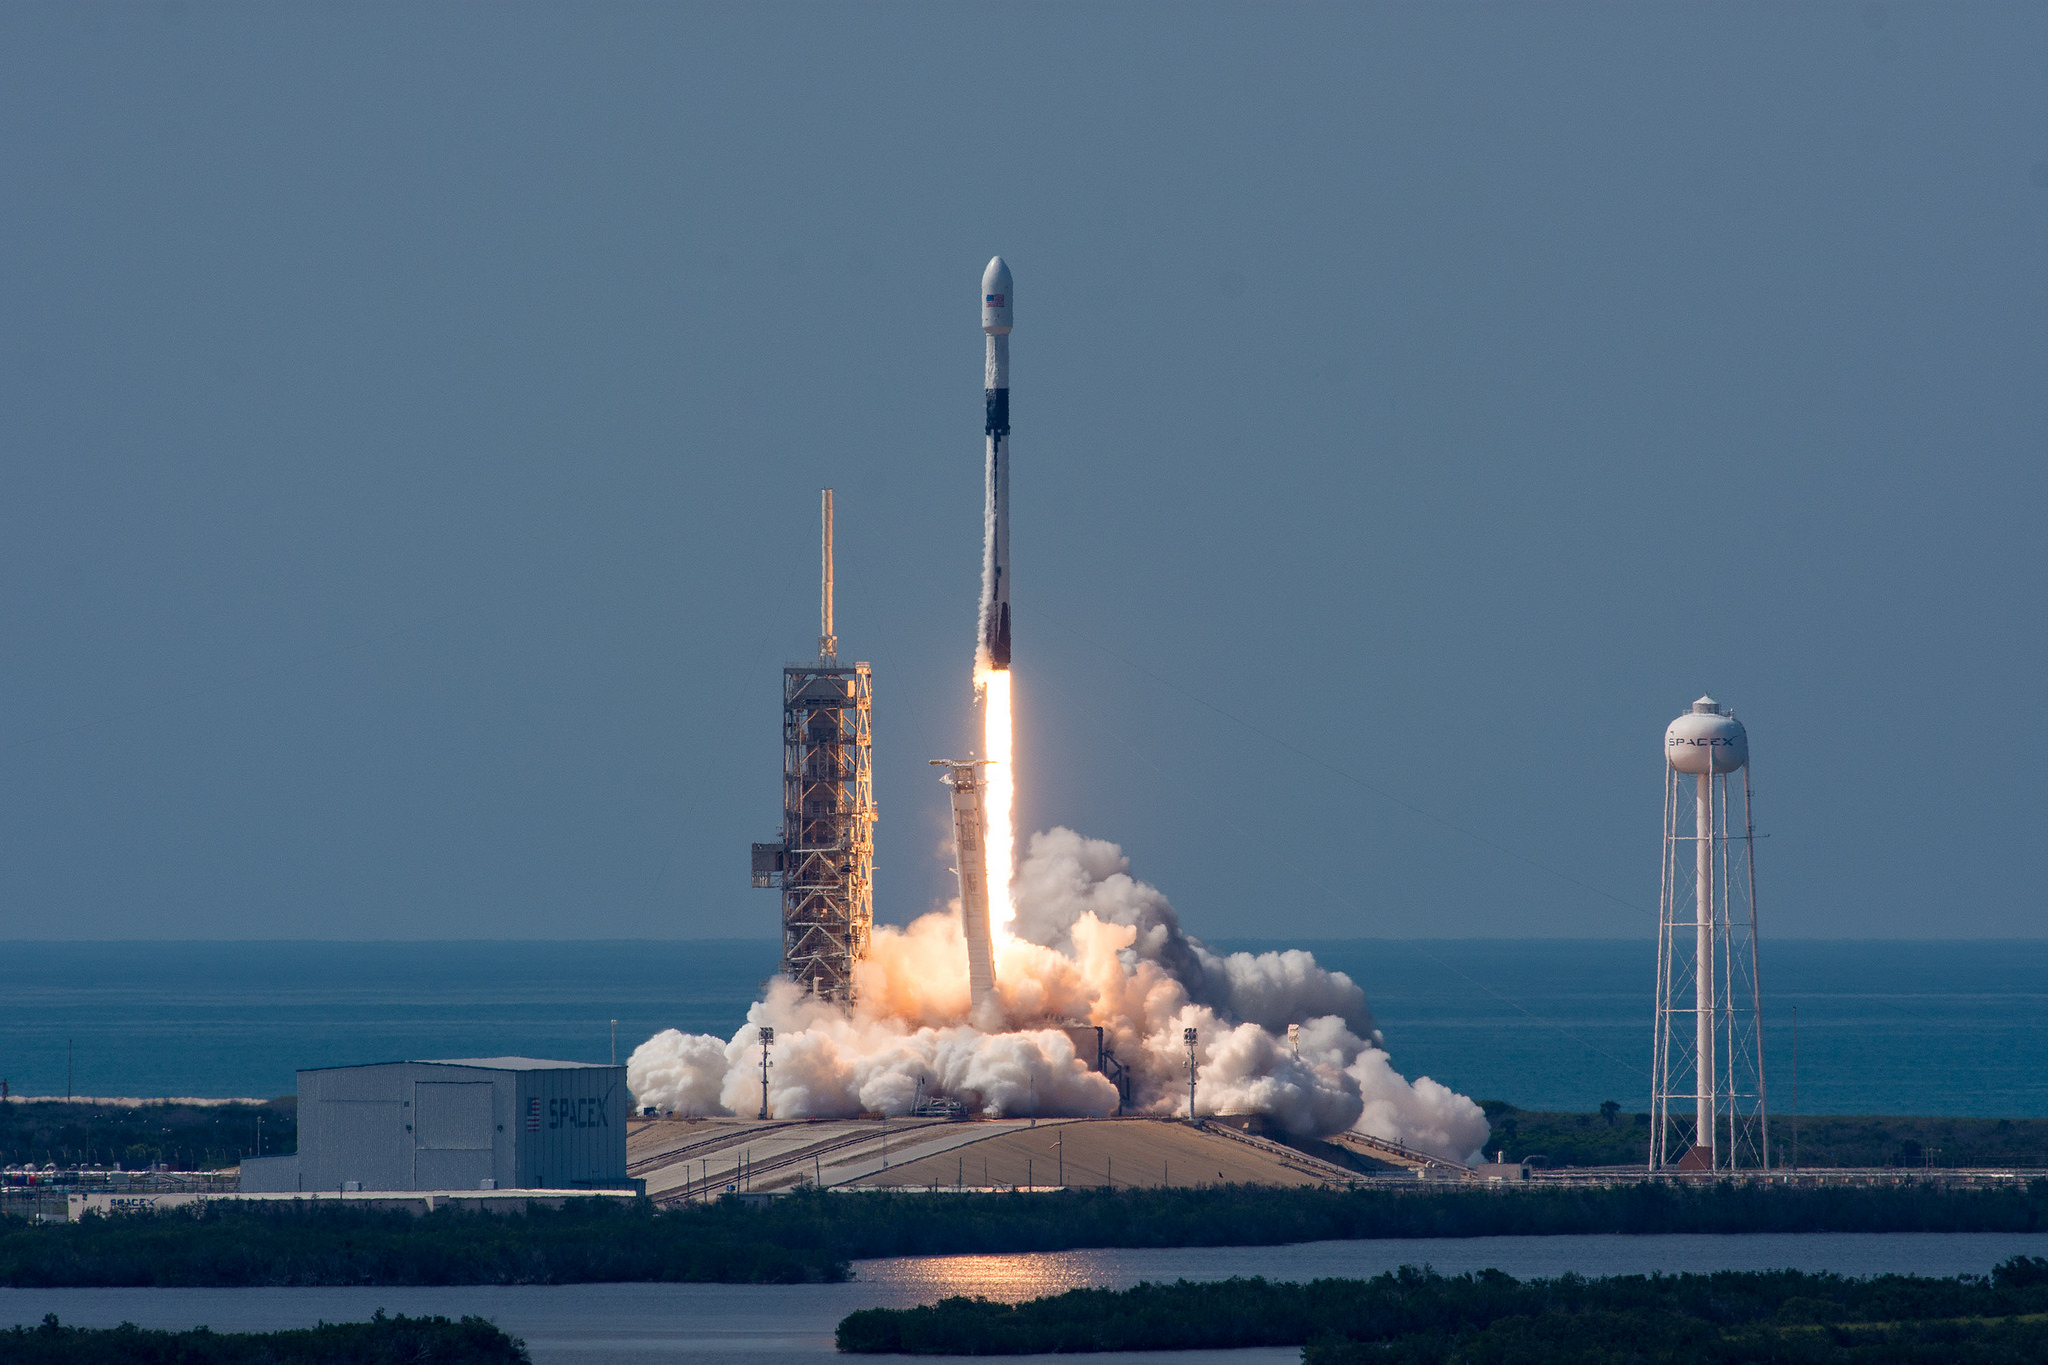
<point>1884,1027</point>
<point>1956,1028</point>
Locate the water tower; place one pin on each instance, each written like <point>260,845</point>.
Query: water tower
<point>1707,1109</point>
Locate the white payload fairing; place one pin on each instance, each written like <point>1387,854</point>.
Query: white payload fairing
<point>996,305</point>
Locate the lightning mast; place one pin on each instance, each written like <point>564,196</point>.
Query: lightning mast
<point>1707,1053</point>
<point>825,861</point>
<point>970,852</point>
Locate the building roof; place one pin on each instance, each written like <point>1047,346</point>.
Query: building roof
<point>508,1063</point>
<point>480,1063</point>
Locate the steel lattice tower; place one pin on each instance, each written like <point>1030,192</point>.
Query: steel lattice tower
<point>826,858</point>
<point>1707,1099</point>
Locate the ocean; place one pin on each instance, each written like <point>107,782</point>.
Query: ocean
<point>1936,1028</point>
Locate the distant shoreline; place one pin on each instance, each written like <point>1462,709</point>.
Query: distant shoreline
<point>1227,942</point>
<point>1885,1027</point>
<point>140,1101</point>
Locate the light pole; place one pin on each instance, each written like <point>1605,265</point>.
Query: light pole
<point>767,1040</point>
<point>1188,1037</point>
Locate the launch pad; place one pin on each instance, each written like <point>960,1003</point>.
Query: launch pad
<point>685,1160</point>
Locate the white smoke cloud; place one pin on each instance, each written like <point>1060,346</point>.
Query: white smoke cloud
<point>1093,945</point>
<point>1066,876</point>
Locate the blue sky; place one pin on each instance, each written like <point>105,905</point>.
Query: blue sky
<point>413,418</point>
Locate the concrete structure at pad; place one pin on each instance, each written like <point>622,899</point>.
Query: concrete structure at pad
<point>686,1159</point>
<point>478,1123</point>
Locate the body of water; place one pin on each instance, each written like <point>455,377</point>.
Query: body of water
<point>1955,1028</point>
<point>1940,1027</point>
<point>677,1324</point>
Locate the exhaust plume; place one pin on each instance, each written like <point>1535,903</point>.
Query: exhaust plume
<point>1088,943</point>
<point>999,795</point>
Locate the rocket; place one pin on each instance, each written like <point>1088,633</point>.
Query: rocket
<point>996,298</point>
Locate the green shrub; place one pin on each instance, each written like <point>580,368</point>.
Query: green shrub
<point>380,1341</point>
<point>1490,1318</point>
<point>810,1237</point>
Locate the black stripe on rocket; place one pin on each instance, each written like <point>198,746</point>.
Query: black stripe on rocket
<point>996,623</point>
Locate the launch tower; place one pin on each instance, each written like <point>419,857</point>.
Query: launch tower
<point>1707,1067</point>
<point>825,861</point>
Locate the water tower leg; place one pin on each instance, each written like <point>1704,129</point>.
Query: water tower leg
<point>1703,990</point>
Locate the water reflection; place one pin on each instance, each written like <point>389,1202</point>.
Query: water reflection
<point>695,1324</point>
<point>1009,1279</point>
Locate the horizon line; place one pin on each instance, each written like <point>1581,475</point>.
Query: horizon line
<point>1219,938</point>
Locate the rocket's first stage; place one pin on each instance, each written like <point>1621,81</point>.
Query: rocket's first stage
<point>996,299</point>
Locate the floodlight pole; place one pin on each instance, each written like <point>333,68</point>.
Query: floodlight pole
<point>767,1040</point>
<point>1188,1037</point>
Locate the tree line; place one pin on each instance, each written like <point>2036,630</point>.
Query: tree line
<point>1418,1317</point>
<point>380,1341</point>
<point>811,1236</point>
<point>181,1136</point>
<point>1614,1138</point>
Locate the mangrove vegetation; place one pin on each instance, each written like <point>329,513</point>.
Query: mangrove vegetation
<point>811,1236</point>
<point>1417,1317</point>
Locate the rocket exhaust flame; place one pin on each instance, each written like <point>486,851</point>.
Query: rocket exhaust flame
<point>999,794</point>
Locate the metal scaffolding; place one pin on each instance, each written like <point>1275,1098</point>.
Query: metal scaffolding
<point>825,862</point>
<point>1707,1100</point>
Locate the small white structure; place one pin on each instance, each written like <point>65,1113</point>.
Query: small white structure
<point>1707,1071</point>
<point>479,1123</point>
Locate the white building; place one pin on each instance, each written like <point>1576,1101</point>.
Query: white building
<point>465,1124</point>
